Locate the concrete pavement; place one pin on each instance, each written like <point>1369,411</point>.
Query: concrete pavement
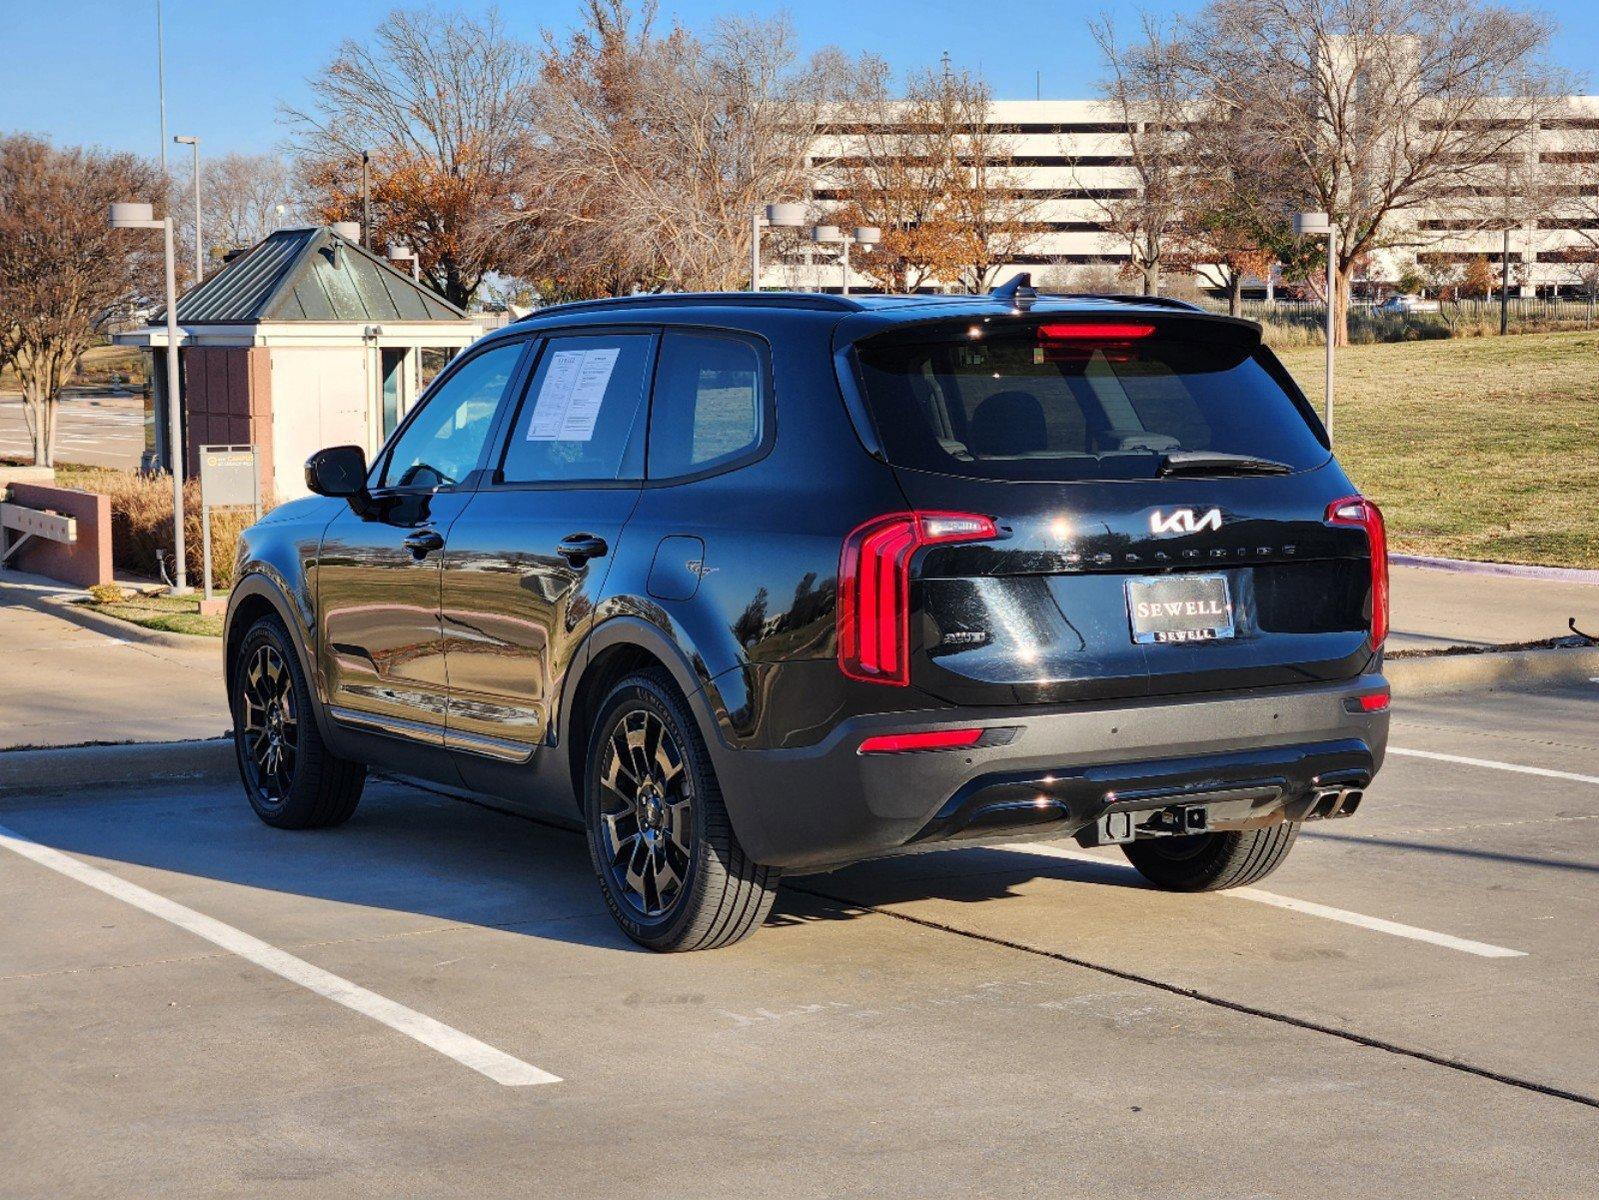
<point>1436,609</point>
<point>62,684</point>
<point>974,1022</point>
<point>98,428</point>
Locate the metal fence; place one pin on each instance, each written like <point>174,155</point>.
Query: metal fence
<point>1555,312</point>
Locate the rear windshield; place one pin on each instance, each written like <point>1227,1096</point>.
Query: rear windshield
<point>1041,401</point>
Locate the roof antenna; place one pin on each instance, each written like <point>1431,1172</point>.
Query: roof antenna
<point>1018,290</point>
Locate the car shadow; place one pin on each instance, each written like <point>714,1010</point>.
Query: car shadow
<point>411,850</point>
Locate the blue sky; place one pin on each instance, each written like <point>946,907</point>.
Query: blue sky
<point>84,70</point>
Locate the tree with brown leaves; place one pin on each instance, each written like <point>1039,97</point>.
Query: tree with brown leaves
<point>443,103</point>
<point>64,272</point>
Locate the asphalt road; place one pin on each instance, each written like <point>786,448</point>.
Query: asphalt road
<point>98,429</point>
<point>192,1004</point>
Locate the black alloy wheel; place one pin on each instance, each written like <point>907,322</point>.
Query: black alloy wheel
<point>646,806</point>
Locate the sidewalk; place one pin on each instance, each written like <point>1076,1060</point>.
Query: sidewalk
<point>62,684</point>
<point>1435,609</point>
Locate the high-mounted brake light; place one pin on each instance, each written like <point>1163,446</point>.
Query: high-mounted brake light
<point>1097,331</point>
<point>937,739</point>
<point>874,584</point>
<point>1361,513</point>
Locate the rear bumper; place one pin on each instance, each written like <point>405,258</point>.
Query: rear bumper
<point>1260,757</point>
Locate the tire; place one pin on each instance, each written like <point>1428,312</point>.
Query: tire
<point>292,779</point>
<point>670,867</point>
<point>1209,862</point>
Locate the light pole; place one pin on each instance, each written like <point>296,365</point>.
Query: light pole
<point>864,236</point>
<point>184,139</point>
<point>142,216</point>
<point>777,216</point>
<point>1318,223</point>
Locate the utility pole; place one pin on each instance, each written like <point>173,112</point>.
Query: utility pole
<point>161,82</point>
<point>366,199</point>
<point>199,252</point>
<point>1504,285</point>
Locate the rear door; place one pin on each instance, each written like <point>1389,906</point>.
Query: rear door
<point>528,557</point>
<point>1161,493</point>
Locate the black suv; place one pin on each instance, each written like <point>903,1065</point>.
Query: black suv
<point>753,583</point>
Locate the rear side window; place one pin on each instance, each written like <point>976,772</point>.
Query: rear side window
<point>581,418</point>
<point>707,406</point>
<point>1051,399</point>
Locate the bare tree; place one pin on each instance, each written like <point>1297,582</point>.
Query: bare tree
<point>1146,88</point>
<point>443,102</point>
<point>63,271</point>
<point>660,146</point>
<point>1569,154</point>
<point>996,216</point>
<point>1387,110</point>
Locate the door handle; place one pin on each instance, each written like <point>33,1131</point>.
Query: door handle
<point>423,542</point>
<point>578,548</point>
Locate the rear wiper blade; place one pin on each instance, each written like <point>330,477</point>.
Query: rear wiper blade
<point>1216,462</point>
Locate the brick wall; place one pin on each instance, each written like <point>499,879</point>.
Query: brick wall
<point>227,400</point>
<point>83,563</point>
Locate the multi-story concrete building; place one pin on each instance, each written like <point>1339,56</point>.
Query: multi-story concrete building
<point>1070,156</point>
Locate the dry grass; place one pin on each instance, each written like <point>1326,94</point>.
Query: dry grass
<point>99,366</point>
<point>1479,448</point>
<point>141,521</point>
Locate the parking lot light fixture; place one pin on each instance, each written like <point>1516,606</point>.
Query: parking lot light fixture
<point>775,216</point>
<point>142,216</point>
<point>865,236</point>
<point>184,139</point>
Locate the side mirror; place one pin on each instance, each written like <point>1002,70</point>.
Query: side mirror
<point>337,471</point>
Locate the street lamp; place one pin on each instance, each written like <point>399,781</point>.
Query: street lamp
<point>1318,224</point>
<point>184,139</point>
<point>142,216</point>
<point>777,216</point>
<point>864,236</point>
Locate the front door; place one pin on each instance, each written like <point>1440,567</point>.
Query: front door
<point>527,561</point>
<point>378,570</point>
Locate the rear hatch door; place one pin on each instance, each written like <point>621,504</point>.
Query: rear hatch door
<point>1160,489</point>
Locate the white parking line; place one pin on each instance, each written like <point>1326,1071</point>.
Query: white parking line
<point>1306,907</point>
<point>451,1043</point>
<point>1493,765</point>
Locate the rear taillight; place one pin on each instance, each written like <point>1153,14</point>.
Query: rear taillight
<point>1080,340</point>
<point>1362,513</point>
<point>874,581</point>
<point>937,739</point>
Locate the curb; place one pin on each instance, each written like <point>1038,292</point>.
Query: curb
<point>1505,570</point>
<point>1433,673</point>
<point>126,631</point>
<point>135,764</point>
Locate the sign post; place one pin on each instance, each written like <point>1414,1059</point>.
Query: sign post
<point>228,479</point>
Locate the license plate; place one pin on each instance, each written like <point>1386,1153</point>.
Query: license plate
<point>1180,608</point>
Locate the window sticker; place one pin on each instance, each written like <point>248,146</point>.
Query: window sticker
<point>568,403</point>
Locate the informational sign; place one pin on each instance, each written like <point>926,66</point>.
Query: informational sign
<point>568,402</point>
<point>228,479</point>
<point>228,476</point>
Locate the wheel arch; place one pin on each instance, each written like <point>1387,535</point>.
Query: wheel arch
<point>257,595</point>
<point>619,647</point>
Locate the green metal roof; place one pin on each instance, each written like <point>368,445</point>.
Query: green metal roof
<point>310,275</point>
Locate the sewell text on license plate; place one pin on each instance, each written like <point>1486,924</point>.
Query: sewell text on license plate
<point>1179,608</point>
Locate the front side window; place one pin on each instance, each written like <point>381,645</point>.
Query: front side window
<point>581,416</point>
<point>441,445</point>
<point>707,405</point>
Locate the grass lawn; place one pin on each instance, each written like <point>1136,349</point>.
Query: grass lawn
<point>100,364</point>
<point>1480,448</point>
<point>174,614</point>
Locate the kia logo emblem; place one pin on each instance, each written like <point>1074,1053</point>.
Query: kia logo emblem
<point>1183,520</point>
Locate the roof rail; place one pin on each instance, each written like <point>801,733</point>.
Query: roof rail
<point>818,301</point>
<point>1124,298</point>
